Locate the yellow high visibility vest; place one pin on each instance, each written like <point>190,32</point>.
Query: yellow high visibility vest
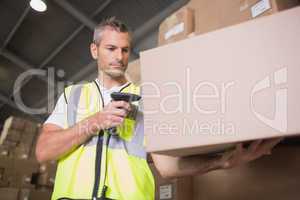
<point>124,169</point>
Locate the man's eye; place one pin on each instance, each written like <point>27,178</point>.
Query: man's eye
<point>111,49</point>
<point>125,50</point>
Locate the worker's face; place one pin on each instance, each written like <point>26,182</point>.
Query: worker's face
<point>112,53</point>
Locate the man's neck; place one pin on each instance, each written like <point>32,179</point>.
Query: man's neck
<point>109,82</point>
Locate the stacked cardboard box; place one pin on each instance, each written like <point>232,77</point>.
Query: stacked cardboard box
<point>232,85</point>
<point>17,138</point>
<point>6,171</point>
<point>9,193</point>
<point>173,189</point>
<point>133,72</point>
<point>214,14</point>
<point>21,176</point>
<point>17,164</point>
<point>46,175</point>
<point>24,194</point>
<point>177,26</point>
<point>209,15</point>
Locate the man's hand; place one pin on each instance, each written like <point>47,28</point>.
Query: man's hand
<point>242,155</point>
<point>113,114</point>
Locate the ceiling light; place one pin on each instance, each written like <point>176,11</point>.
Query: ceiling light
<point>38,5</point>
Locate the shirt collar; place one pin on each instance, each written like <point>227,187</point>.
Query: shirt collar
<point>113,89</point>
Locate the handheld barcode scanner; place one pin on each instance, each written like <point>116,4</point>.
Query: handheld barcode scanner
<point>128,97</point>
<point>120,96</point>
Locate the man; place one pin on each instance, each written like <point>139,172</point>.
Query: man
<point>96,164</point>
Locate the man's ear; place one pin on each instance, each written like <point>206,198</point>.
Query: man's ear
<point>94,50</point>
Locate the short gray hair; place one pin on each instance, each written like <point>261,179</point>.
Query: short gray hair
<point>111,23</point>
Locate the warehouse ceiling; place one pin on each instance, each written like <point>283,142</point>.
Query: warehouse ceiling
<point>57,42</point>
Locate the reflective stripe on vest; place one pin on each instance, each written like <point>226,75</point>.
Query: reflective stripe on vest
<point>126,156</point>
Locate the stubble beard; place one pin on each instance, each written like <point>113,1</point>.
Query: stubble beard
<point>115,73</point>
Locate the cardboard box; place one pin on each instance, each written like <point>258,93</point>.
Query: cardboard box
<point>34,194</point>
<point>14,135</point>
<point>15,123</point>
<point>31,127</point>
<point>44,194</point>
<point>236,84</point>
<point>177,26</point>
<point>7,149</point>
<point>14,128</point>
<point>32,152</point>
<point>6,171</point>
<point>9,193</point>
<point>28,138</point>
<point>22,151</point>
<point>133,72</point>
<point>271,177</point>
<point>46,175</point>
<point>26,147</point>
<point>173,189</point>
<point>215,14</point>
<point>17,173</point>
<point>24,194</point>
<point>22,173</point>
<point>11,123</point>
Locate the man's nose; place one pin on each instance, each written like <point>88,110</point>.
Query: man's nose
<point>119,54</point>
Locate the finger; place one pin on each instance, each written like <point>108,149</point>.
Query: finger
<point>269,144</point>
<point>119,112</point>
<point>239,148</point>
<point>238,153</point>
<point>268,152</point>
<point>225,161</point>
<point>231,158</point>
<point>227,155</point>
<point>121,104</point>
<point>114,120</point>
<point>254,145</point>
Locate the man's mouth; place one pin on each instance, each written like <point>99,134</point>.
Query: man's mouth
<point>116,65</point>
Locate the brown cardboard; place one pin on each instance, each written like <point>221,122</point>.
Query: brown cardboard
<point>173,189</point>
<point>46,176</point>
<point>40,194</point>
<point>7,149</point>
<point>24,194</point>
<point>14,123</point>
<point>214,14</point>
<point>31,127</point>
<point>9,193</point>
<point>28,138</point>
<point>14,135</point>
<point>25,148</point>
<point>22,151</point>
<point>275,177</point>
<point>6,171</point>
<point>32,152</point>
<point>219,88</point>
<point>22,173</point>
<point>133,72</point>
<point>177,26</point>
<point>34,194</point>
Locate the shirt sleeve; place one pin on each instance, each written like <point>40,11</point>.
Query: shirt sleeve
<point>57,117</point>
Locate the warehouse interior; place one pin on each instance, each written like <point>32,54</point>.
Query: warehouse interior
<point>54,46</point>
<point>61,34</point>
